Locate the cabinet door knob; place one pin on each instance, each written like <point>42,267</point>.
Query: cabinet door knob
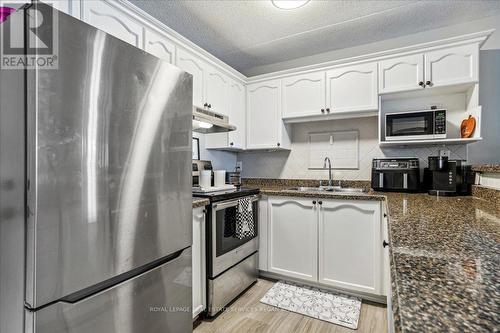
<point>320,202</point>
<point>328,110</point>
<point>231,144</point>
<point>209,106</point>
<point>278,144</point>
<point>314,202</point>
<point>205,105</point>
<point>421,83</point>
<point>384,244</point>
<point>322,110</point>
<point>428,83</point>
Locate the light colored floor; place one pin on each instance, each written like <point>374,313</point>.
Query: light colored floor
<point>247,314</point>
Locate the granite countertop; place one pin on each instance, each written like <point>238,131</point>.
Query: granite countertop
<point>200,202</point>
<point>370,195</point>
<point>487,168</point>
<point>445,263</point>
<point>444,259</point>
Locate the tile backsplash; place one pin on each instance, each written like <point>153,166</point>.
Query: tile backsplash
<point>294,164</point>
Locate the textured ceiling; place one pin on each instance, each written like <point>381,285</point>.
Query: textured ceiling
<point>246,34</point>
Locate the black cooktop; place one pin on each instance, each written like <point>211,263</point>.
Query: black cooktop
<point>226,195</point>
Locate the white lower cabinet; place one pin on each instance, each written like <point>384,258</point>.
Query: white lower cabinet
<point>349,245</point>
<point>335,243</point>
<point>292,238</point>
<point>198,257</point>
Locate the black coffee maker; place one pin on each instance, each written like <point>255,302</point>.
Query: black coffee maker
<point>446,177</point>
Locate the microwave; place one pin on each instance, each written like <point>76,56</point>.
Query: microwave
<point>416,125</point>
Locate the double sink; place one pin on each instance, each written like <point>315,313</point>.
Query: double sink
<point>335,189</point>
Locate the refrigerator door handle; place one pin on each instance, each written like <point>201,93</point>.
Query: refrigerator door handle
<point>97,288</point>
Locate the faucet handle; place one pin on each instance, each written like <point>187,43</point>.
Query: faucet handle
<point>320,183</point>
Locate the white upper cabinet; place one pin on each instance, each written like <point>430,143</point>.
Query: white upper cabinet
<point>110,19</point>
<point>264,124</point>
<point>401,73</point>
<point>292,238</point>
<point>196,67</point>
<point>452,66</point>
<point>217,90</point>
<point>352,88</point>
<point>237,115</point>
<point>236,105</point>
<point>159,45</point>
<point>350,247</point>
<point>304,95</point>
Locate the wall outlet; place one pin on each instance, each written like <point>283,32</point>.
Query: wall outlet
<point>444,152</point>
<point>240,165</point>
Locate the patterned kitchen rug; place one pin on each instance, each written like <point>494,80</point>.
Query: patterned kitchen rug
<point>314,302</point>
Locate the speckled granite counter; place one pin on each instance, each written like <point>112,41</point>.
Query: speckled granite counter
<point>487,168</point>
<point>200,202</point>
<point>445,263</point>
<point>444,259</point>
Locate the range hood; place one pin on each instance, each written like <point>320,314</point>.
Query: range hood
<point>206,121</point>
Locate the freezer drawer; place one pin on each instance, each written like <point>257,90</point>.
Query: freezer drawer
<point>156,301</point>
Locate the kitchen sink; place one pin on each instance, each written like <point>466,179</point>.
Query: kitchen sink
<point>329,189</point>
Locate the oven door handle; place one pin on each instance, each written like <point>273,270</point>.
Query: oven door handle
<point>233,203</point>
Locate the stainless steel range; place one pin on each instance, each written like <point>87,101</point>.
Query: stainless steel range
<point>232,258</point>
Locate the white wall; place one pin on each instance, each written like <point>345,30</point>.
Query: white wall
<point>294,164</point>
<point>220,159</point>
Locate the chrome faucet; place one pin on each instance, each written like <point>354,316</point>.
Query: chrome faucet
<point>330,179</point>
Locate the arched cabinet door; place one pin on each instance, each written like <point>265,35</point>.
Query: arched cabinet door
<point>452,65</point>
<point>352,88</point>
<point>196,67</point>
<point>401,74</point>
<point>303,95</point>
<point>159,46</point>
<point>110,19</point>
<point>350,247</point>
<point>263,114</point>
<point>292,238</point>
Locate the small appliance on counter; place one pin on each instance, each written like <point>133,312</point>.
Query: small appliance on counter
<point>446,177</point>
<point>395,174</point>
<point>234,177</point>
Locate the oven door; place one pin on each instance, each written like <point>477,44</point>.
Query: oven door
<point>410,125</point>
<point>228,245</point>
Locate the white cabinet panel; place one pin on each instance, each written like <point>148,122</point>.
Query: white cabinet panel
<point>304,95</point>
<point>349,245</point>
<point>263,238</point>
<point>264,115</point>
<point>196,67</point>
<point>237,114</point>
<point>110,19</point>
<point>352,88</point>
<point>452,66</point>
<point>159,45</point>
<point>292,238</point>
<point>198,259</point>
<point>217,90</point>
<point>401,74</point>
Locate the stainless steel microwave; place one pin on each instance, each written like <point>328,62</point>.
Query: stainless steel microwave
<point>416,125</point>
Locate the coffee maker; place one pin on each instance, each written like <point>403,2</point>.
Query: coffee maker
<point>446,177</point>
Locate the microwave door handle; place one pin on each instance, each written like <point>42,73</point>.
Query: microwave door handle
<point>405,181</point>
<point>381,179</point>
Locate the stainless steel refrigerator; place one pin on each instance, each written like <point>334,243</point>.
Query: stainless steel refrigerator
<point>95,189</point>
